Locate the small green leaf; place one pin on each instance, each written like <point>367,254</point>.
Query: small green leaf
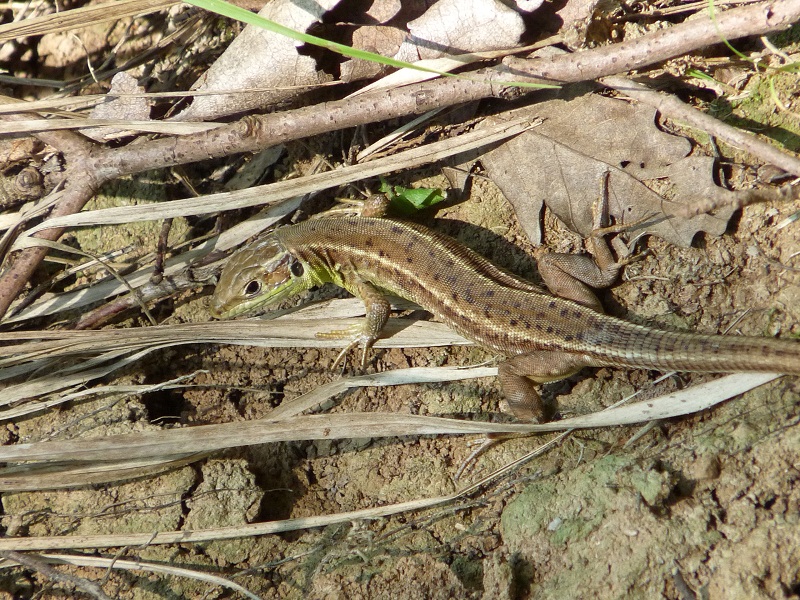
<point>408,201</point>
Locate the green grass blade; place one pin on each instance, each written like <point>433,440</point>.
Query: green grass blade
<point>240,14</point>
<point>725,41</point>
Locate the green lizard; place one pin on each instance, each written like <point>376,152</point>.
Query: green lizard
<point>543,337</point>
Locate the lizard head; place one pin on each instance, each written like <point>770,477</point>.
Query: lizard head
<point>258,275</point>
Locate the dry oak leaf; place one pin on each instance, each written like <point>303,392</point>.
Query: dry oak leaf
<point>447,27</point>
<point>457,27</point>
<point>260,59</point>
<point>592,145</point>
<point>120,105</point>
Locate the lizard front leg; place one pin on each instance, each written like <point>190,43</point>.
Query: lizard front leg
<point>377,309</point>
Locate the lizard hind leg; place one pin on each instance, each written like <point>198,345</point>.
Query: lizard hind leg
<point>572,276</point>
<point>520,375</point>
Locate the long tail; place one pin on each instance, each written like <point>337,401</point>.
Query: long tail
<point>640,347</point>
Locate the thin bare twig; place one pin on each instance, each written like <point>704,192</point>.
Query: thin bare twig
<point>40,566</point>
<point>80,17</point>
<point>661,45</point>
<point>673,108</point>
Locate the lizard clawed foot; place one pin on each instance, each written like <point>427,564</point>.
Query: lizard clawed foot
<point>375,205</point>
<point>487,442</point>
<point>358,338</point>
<point>483,446</point>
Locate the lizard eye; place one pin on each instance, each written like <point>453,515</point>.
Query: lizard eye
<point>252,288</point>
<point>297,268</point>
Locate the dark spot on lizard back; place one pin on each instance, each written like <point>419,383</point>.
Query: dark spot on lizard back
<point>489,293</point>
<point>512,322</point>
<point>578,314</point>
<point>409,259</point>
<point>552,304</point>
<point>381,253</point>
<point>368,242</point>
<point>396,229</point>
<point>550,329</point>
<point>565,312</point>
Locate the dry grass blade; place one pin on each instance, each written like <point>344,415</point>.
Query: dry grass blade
<point>37,125</point>
<point>137,565</point>
<point>327,391</point>
<point>207,438</point>
<point>100,541</point>
<point>80,17</point>
<point>53,476</point>
<point>222,533</point>
<point>61,394</point>
<point>60,475</point>
<point>59,379</point>
<point>283,333</point>
<point>285,189</point>
<point>686,401</point>
<point>99,353</point>
<point>10,105</point>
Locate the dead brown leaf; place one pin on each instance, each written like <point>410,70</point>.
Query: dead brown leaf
<point>592,142</point>
<point>120,105</point>
<point>383,11</point>
<point>447,27</point>
<point>260,59</point>
<point>379,39</point>
<point>456,27</point>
